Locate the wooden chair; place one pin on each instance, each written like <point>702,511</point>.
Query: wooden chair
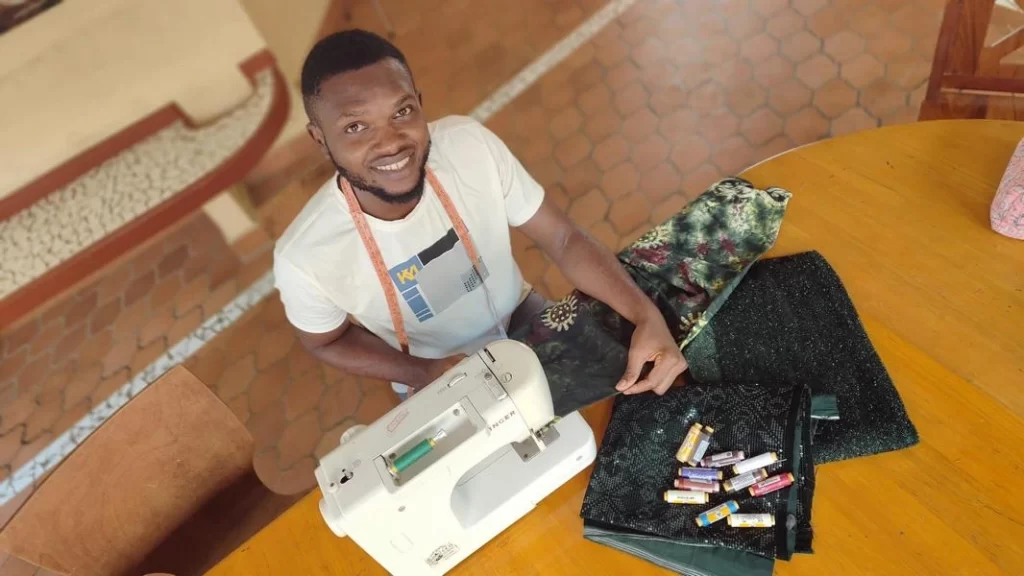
<point>971,77</point>
<point>154,489</point>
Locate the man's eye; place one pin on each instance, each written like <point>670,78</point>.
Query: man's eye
<point>404,111</point>
<point>353,128</point>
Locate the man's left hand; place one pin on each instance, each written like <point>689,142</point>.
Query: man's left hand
<point>652,342</point>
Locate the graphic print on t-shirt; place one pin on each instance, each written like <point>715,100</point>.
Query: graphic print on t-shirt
<point>437,277</point>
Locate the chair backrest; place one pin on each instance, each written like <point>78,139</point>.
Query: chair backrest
<point>130,484</point>
<point>971,63</point>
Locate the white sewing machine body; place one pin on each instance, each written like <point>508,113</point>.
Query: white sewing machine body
<point>495,455</point>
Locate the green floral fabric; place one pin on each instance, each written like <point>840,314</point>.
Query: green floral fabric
<point>687,266</point>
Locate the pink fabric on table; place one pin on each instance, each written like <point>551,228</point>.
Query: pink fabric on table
<point>1008,206</point>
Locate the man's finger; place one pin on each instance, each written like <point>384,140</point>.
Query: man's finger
<point>634,366</point>
<point>665,371</point>
<point>660,379</point>
<point>641,386</point>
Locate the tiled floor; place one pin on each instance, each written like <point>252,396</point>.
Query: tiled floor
<point>664,100</point>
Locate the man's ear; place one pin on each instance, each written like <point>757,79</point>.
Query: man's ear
<point>419,96</point>
<point>318,136</point>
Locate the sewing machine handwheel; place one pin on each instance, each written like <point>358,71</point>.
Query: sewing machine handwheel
<point>352,432</point>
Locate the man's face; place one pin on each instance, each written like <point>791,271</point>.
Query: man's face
<point>370,123</point>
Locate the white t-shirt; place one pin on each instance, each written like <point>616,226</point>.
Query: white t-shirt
<point>324,273</point>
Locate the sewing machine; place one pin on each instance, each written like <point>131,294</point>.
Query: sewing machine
<point>442,473</point>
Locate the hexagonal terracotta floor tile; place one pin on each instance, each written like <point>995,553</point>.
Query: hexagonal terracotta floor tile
<point>761,126</point>
<point>745,99</point>
<point>807,125</point>
<point>629,212</point>
<point>718,124</point>
<point>565,123</point>
<point>631,99</point>
<point>908,71</point>
<point>902,115</point>
<point>868,20</point>
<point>862,70</point>
<point>759,47</point>
<point>853,120</point>
<point>732,74</point>
<point>817,71</point>
<point>602,124</point>
<point>734,155</point>
<point>707,97</point>
<point>678,125</point>
<point>845,46</point>
<point>639,125</point>
<point>572,150</point>
<point>808,7</point>
<point>835,97</point>
<point>744,24</point>
<point>773,71</point>
<point>768,7</point>
<point>784,22</point>
<point>800,46</point>
<point>668,100</point>
<point>689,152</point>
<point>883,97</point>
<point>789,96</point>
<point>619,181</point>
<point>611,151</point>
<point>719,48</point>
<point>696,182</point>
<point>660,182</point>
<point>888,44</point>
<point>827,21</point>
<point>588,209</point>
<point>650,152</point>
<point>594,100</point>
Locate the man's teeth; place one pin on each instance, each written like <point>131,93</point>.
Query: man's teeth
<point>396,166</point>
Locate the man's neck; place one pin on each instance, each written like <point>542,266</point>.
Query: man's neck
<point>382,210</point>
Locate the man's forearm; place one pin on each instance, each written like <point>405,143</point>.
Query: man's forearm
<point>593,269</point>
<point>359,352</point>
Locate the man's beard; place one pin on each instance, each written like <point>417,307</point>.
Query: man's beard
<point>403,198</point>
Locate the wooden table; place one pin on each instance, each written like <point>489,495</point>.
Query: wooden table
<point>902,215</point>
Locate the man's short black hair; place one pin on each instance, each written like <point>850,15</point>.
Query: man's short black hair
<point>340,52</point>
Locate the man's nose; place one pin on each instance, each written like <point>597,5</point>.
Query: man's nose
<point>389,140</point>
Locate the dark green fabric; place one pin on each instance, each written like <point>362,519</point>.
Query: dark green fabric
<point>687,266</point>
<point>690,559</point>
<point>791,322</point>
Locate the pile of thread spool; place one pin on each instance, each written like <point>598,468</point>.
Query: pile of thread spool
<point>701,476</point>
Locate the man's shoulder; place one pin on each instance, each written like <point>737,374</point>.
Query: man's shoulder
<point>454,126</point>
<point>463,141</point>
<point>306,228</point>
<point>458,132</point>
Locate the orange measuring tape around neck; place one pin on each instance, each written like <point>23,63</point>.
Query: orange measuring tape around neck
<point>363,227</point>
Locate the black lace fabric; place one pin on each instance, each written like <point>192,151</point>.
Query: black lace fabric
<point>790,321</point>
<point>636,464</point>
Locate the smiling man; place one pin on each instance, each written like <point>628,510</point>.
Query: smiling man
<point>402,263</point>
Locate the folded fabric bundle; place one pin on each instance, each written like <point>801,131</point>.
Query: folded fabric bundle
<point>687,266</point>
<point>624,507</point>
<point>788,326</point>
<point>775,359</point>
<point>791,322</point>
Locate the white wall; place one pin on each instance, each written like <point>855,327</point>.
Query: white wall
<point>290,28</point>
<point>86,69</point>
